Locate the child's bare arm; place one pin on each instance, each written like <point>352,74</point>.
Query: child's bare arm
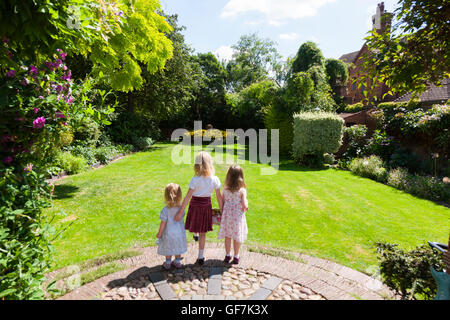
<point>162,226</point>
<point>219,199</point>
<point>244,201</point>
<point>183,205</point>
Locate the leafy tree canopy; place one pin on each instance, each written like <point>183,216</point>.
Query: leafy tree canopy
<point>308,55</point>
<point>116,35</point>
<point>254,60</point>
<point>414,52</point>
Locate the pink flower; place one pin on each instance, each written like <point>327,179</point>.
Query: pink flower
<point>11,73</point>
<point>36,110</point>
<point>64,123</point>
<point>69,100</point>
<point>39,123</point>
<point>28,168</point>
<point>63,55</point>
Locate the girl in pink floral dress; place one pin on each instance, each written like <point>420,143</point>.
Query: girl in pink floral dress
<point>234,224</point>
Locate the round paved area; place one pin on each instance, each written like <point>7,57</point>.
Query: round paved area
<point>257,277</point>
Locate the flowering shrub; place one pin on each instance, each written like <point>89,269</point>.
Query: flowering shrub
<point>408,119</point>
<point>208,134</point>
<point>370,167</point>
<point>354,138</point>
<point>38,105</point>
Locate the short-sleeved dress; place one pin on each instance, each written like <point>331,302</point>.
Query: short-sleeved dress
<point>233,222</point>
<point>173,239</point>
<point>199,217</point>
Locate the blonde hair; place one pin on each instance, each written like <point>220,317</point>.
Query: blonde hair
<point>203,165</point>
<point>235,178</point>
<point>173,195</point>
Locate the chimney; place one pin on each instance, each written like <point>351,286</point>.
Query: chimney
<point>382,19</point>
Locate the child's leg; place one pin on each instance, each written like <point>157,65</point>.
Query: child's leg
<point>228,246</point>
<point>201,244</point>
<point>236,247</point>
<point>168,262</point>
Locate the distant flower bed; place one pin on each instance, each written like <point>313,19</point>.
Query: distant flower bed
<point>209,134</point>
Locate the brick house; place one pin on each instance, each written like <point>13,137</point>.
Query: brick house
<point>381,21</point>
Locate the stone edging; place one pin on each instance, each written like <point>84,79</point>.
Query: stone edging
<point>328,279</point>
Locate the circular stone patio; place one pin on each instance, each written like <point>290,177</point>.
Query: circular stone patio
<point>257,277</point>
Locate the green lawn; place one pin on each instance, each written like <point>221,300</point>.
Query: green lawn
<point>326,213</point>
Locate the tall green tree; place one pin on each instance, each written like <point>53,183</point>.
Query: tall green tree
<point>254,59</point>
<point>210,99</point>
<point>337,74</point>
<point>308,55</point>
<point>411,54</point>
<point>168,93</point>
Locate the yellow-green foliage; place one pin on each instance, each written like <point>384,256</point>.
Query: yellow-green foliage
<point>316,133</point>
<point>139,38</point>
<point>278,120</point>
<point>352,108</point>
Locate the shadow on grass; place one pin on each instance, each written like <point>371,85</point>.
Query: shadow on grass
<point>64,191</point>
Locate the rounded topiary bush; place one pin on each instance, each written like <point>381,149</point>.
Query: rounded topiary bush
<point>316,133</point>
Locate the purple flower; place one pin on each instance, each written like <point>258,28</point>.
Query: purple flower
<point>63,55</point>
<point>28,168</point>
<point>11,73</point>
<point>39,123</point>
<point>64,123</point>
<point>67,77</point>
<point>41,97</point>
<point>60,115</point>
<point>36,110</point>
<point>7,160</point>
<point>33,69</point>
<point>24,82</point>
<point>5,40</point>
<point>58,50</point>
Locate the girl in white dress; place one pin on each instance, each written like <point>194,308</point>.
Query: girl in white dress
<point>233,223</point>
<point>171,236</point>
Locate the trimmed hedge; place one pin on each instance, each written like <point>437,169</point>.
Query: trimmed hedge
<point>316,133</point>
